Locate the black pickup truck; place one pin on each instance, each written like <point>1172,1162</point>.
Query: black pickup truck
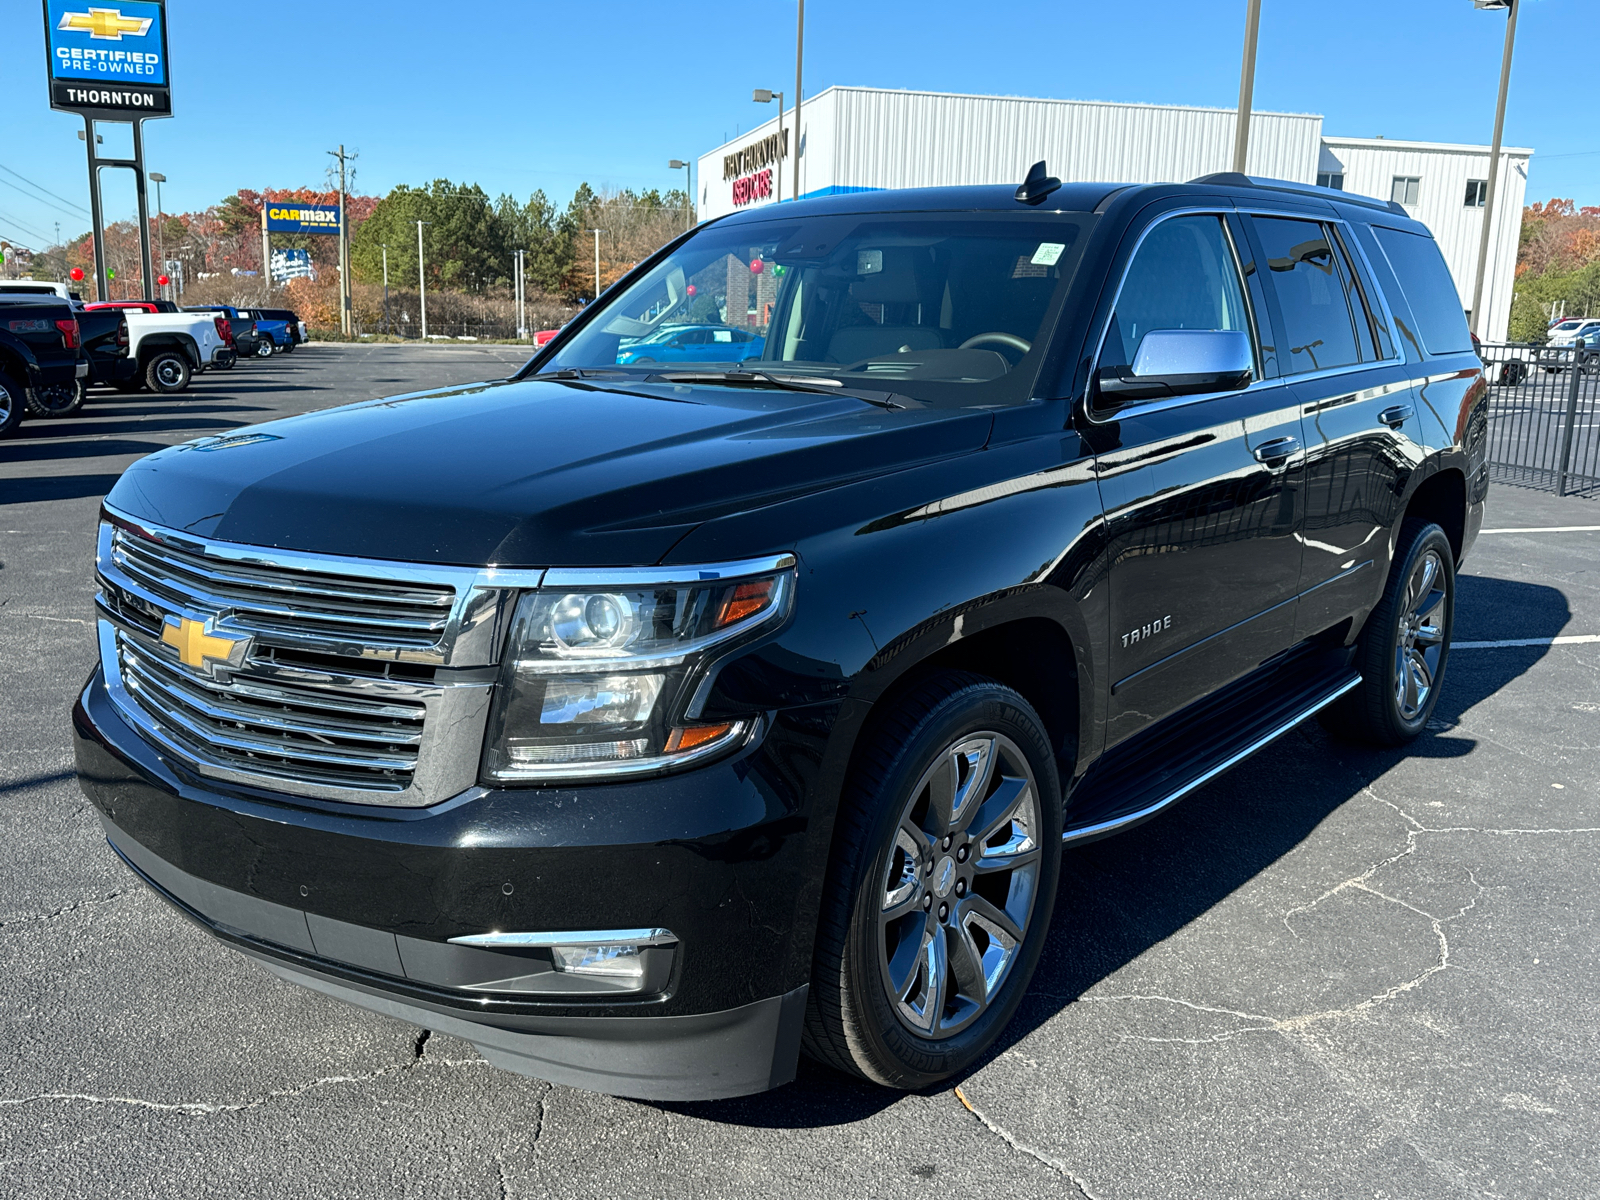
<point>647,724</point>
<point>41,357</point>
<point>105,345</point>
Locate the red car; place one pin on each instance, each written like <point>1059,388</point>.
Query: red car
<point>542,338</point>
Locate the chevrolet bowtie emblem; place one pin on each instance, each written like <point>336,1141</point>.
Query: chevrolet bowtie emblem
<point>105,24</point>
<point>200,649</point>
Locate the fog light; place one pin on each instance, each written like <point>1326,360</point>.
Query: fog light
<point>614,962</point>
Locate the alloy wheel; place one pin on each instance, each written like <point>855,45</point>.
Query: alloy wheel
<point>1420,642</point>
<point>170,372</point>
<point>959,887</point>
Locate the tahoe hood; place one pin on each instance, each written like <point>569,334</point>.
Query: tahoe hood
<point>532,473</point>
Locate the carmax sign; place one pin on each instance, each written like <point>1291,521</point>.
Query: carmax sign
<point>303,218</point>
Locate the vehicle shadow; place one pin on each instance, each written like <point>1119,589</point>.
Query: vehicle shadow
<point>1122,896</point>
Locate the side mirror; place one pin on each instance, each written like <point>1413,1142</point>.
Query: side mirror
<point>1180,362</point>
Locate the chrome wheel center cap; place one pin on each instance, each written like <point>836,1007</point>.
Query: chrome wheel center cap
<point>944,876</point>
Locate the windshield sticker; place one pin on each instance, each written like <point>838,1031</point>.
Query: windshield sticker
<point>1048,253</point>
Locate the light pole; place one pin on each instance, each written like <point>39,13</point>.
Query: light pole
<point>1247,85</point>
<point>683,164</point>
<point>1494,156</point>
<point>157,178</point>
<point>799,48</point>
<point>385,246</point>
<point>762,96</point>
<point>597,233</point>
<point>422,287</point>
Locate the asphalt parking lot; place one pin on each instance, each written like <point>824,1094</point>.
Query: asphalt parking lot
<point>1333,972</point>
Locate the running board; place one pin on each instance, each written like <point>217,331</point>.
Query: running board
<point>1267,723</point>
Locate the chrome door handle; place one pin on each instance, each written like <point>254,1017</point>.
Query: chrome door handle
<point>1397,416</point>
<point>1275,452</point>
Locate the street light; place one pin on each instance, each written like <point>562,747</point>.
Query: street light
<point>1247,85</point>
<point>763,96</point>
<point>157,178</point>
<point>597,233</point>
<point>682,164</point>
<point>1494,156</point>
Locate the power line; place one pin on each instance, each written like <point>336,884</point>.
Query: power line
<point>40,200</point>
<point>20,224</point>
<point>45,190</point>
<point>16,239</point>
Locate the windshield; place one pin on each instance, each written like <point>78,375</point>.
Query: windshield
<point>952,307</point>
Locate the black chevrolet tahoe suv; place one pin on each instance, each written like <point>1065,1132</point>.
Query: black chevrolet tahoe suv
<point>648,725</point>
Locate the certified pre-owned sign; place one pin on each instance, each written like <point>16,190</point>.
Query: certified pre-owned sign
<point>109,60</point>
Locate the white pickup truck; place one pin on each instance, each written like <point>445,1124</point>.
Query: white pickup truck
<point>172,347</point>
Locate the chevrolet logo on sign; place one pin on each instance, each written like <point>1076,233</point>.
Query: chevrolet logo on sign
<point>202,649</point>
<point>105,24</point>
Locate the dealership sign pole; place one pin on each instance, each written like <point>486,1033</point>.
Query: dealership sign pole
<point>109,64</point>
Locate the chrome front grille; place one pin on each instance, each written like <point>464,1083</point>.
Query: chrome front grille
<point>303,605</point>
<point>361,681</point>
<point>317,735</point>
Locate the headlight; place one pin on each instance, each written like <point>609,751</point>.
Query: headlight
<point>596,680</point>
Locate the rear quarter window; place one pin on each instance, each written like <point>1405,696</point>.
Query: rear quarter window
<point>1425,281</point>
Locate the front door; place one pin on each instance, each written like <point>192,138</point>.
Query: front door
<point>1201,493</point>
<point>1359,412</point>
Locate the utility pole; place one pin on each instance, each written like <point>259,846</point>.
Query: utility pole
<point>1511,6</point>
<point>522,294</point>
<point>386,287</point>
<point>597,233</point>
<point>799,49</point>
<point>266,245</point>
<point>344,247</point>
<point>422,288</point>
<point>1247,85</point>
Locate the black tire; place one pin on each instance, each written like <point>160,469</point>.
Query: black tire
<point>61,400</point>
<point>167,372</point>
<point>1513,373</point>
<point>1392,660</point>
<point>288,347</point>
<point>12,405</point>
<point>854,1021</point>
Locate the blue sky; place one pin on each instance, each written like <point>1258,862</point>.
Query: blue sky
<point>517,96</point>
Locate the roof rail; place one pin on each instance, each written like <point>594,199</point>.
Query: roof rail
<point>1236,179</point>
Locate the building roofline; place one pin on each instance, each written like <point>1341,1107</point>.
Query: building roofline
<point>1255,112</point>
<point>1397,144</point>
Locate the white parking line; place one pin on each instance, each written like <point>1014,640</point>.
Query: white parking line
<point>1576,639</point>
<point>1548,529</point>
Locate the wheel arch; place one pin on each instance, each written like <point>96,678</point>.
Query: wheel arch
<point>1442,499</point>
<point>156,343</point>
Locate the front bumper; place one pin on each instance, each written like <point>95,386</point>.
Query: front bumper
<point>362,905</point>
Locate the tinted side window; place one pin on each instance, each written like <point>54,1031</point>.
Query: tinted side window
<point>1428,288</point>
<point>1318,325</point>
<point>1183,277</point>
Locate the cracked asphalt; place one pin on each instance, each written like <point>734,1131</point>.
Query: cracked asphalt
<point>1333,972</point>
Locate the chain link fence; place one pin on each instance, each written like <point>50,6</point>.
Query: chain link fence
<point>1544,417</point>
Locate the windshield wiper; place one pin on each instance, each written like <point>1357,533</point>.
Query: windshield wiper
<point>790,383</point>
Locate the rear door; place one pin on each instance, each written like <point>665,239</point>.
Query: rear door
<point>1358,404</point>
<point>1202,493</point>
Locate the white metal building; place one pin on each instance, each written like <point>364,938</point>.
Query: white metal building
<point>864,139</point>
